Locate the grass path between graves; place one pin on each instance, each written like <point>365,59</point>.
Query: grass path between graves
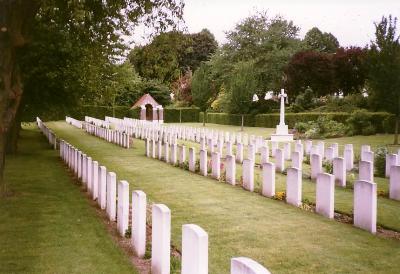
<point>281,237</point>
<point>47,225</point>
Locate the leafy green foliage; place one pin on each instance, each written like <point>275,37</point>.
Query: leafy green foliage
<point>384,67</point>
<point>305,100</point>
<point>319,41</point>
<point>242,86</point>
<point>323,127</point>
<point>359,122</point>
<point>380,161</point>
<point>202,88</point>
<point>172,53</point>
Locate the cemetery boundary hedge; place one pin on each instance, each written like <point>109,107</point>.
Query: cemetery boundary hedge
<point>382,121</point>
<point>171,115</point>
<point>228,119</point>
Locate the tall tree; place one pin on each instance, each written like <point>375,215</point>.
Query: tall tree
<point>310,69</point>
<point>315,39</point>
<point>202,88</point>
<point>103,21</point>
<point>171,54</point>
<point>350,65</point>
<point>384,69</point>
<point>242,86</point>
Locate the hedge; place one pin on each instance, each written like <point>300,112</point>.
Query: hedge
<point>227,119</point>
<point>171,115</point>
<point>384,122</point>
<point>78,112</point>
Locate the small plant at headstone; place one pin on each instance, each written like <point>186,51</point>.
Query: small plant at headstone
<point>306,159</point>
<point>175,264</point>
<point>147,254</point>
<point>383,193</point>
<point>328,166</point>
<point>197,166</point>
<point>185,165</point>
<point>380,161</point>
<point>280,196</point>
<point>128,232</point>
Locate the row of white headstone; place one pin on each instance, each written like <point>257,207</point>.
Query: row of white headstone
<point>365,190</point>
<point>116,137</point>
<point>144,130</point>
<point>97,122</point>
<point>102,186</point>
<point>50,135</point>
<point>171,134</point>
<point>74,122</point>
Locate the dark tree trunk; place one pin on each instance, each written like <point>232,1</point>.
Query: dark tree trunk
<point>15,20</point>
<point>13,134</point>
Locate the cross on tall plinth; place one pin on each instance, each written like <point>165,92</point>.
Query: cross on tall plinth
<point>282,130</point>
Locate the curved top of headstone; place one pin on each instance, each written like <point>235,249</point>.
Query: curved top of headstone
<point>243,265</point>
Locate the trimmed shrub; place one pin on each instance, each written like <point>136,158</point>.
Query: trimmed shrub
<point>323,127</point>
<point>359,122</point>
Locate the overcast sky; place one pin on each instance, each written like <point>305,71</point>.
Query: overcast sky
<point>350,21</point>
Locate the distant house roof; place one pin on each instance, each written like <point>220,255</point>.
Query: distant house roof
<point>145,100</point>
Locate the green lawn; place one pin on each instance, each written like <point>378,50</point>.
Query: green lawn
<point>48,225</point>
<point>388,210</point>
<point>283,238</point>
<point>374,140</point>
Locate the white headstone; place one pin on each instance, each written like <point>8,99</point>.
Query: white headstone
<point>166,153</point>
<point>139,222</point>
<point>391,160</point>
<point>194,250</point>
<point>239,153</point>
<point>264,150</point>
<point>316,165</point>
<point>174,154</point>
<point>215,165</point>
<point>192,159</point>
<point>111,195</point>
<point>203,163</point>
<point>293,186</point>
<point>394,183</point>
<point>123,207</point>
<point>339,171</point>
<point>230,169</point>
<point>325,195</point>
<point>95,180</point>
<point>349,157</point>
<point>365,205</point>
<point>160,239</point>
<point>287,150</point>
<point>251,152</point>
<point>102,187</point>
<point>268,179</point>
<point>248,174</point>
<point>308,146</point>
<point>242,265</point>
<point>366,171</point>
<point>297,161</point>
<point>279,160</point>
